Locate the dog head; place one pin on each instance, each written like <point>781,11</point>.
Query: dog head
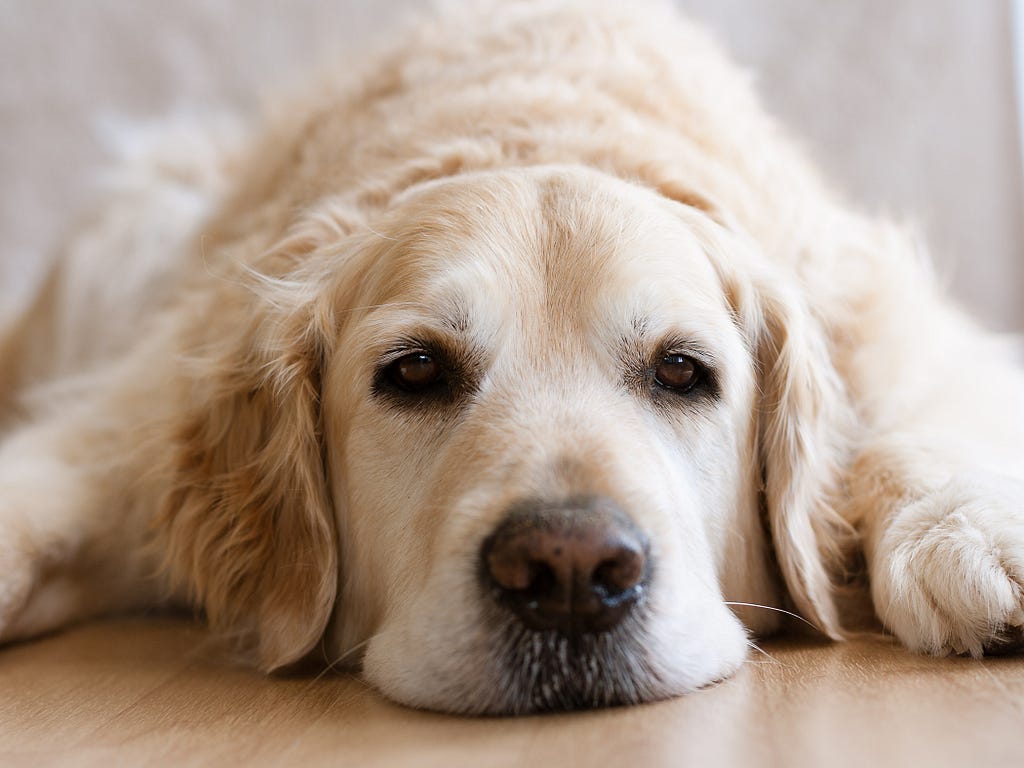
<point>515,446</point>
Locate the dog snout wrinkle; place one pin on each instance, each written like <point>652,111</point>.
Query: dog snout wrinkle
<point>576,567</point>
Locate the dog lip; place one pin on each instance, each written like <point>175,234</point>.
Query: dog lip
<point>547,670</point>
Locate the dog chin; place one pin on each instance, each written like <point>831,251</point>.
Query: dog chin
<point>512,670</point>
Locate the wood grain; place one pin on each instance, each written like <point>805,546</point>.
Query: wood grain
<point>159,692</point>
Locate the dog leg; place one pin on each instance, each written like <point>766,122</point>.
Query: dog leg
<point>71,515</point>
<point>944,544</point>
<point>70,546</point>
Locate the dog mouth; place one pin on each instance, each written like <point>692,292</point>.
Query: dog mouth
<point>566,582</point>
<point>550,671</point>
<point>571,609</point>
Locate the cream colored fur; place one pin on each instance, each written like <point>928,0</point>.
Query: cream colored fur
<point>556,191</point>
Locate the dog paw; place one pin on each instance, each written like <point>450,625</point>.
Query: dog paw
<point>948,575</point>
<point>17,577</point>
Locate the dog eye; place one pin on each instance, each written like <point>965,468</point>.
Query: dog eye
<point>416,372</point>
<point>677,372</point>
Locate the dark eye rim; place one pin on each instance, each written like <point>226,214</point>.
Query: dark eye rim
<point>391,370</point>
<point>706,384</point>
<point>699,372</point>
<point>386,383</point>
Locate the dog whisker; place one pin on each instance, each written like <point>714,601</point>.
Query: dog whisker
<point>777,610</point>
<point>332,666</point>
<point>763,652</point>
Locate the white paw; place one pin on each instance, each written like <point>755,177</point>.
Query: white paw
<point>948,575</point>
<point>17,577</point>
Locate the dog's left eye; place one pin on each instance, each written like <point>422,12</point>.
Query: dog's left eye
<point>415,373</point>
<point>677,372</point>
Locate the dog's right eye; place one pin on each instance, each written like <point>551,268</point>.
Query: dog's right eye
<point>415,373</point>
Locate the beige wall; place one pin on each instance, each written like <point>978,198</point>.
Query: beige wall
<point>909,106</point>
<point>906,103</point>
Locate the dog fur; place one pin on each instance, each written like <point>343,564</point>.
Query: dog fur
<point>552,193</point>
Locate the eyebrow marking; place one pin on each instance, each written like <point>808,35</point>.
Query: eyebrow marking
<point>640,326</point>
<point>455,319</point>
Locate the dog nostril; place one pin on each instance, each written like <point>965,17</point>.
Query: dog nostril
<point>542,581</point>
<point>509,569</point>
<point>575,567</point>
<point>620,573</point>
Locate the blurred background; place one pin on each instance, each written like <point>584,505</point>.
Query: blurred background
<point>909,106</point>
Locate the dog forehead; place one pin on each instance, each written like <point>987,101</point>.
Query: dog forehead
<point>555,245</point>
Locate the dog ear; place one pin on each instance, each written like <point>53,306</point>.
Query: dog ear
<point>803,424</point>
<point>247,525</point>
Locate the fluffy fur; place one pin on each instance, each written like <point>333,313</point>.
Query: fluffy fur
<point>554,194</point>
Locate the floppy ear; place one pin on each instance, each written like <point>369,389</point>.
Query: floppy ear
<point>803,424</point>
<point>248,528</point>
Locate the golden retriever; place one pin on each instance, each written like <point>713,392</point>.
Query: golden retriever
<point>519,364</point>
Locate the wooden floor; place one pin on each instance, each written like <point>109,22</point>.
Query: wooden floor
<point>155,692</point>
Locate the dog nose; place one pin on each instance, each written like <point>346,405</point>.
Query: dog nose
<point>575,567</point>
